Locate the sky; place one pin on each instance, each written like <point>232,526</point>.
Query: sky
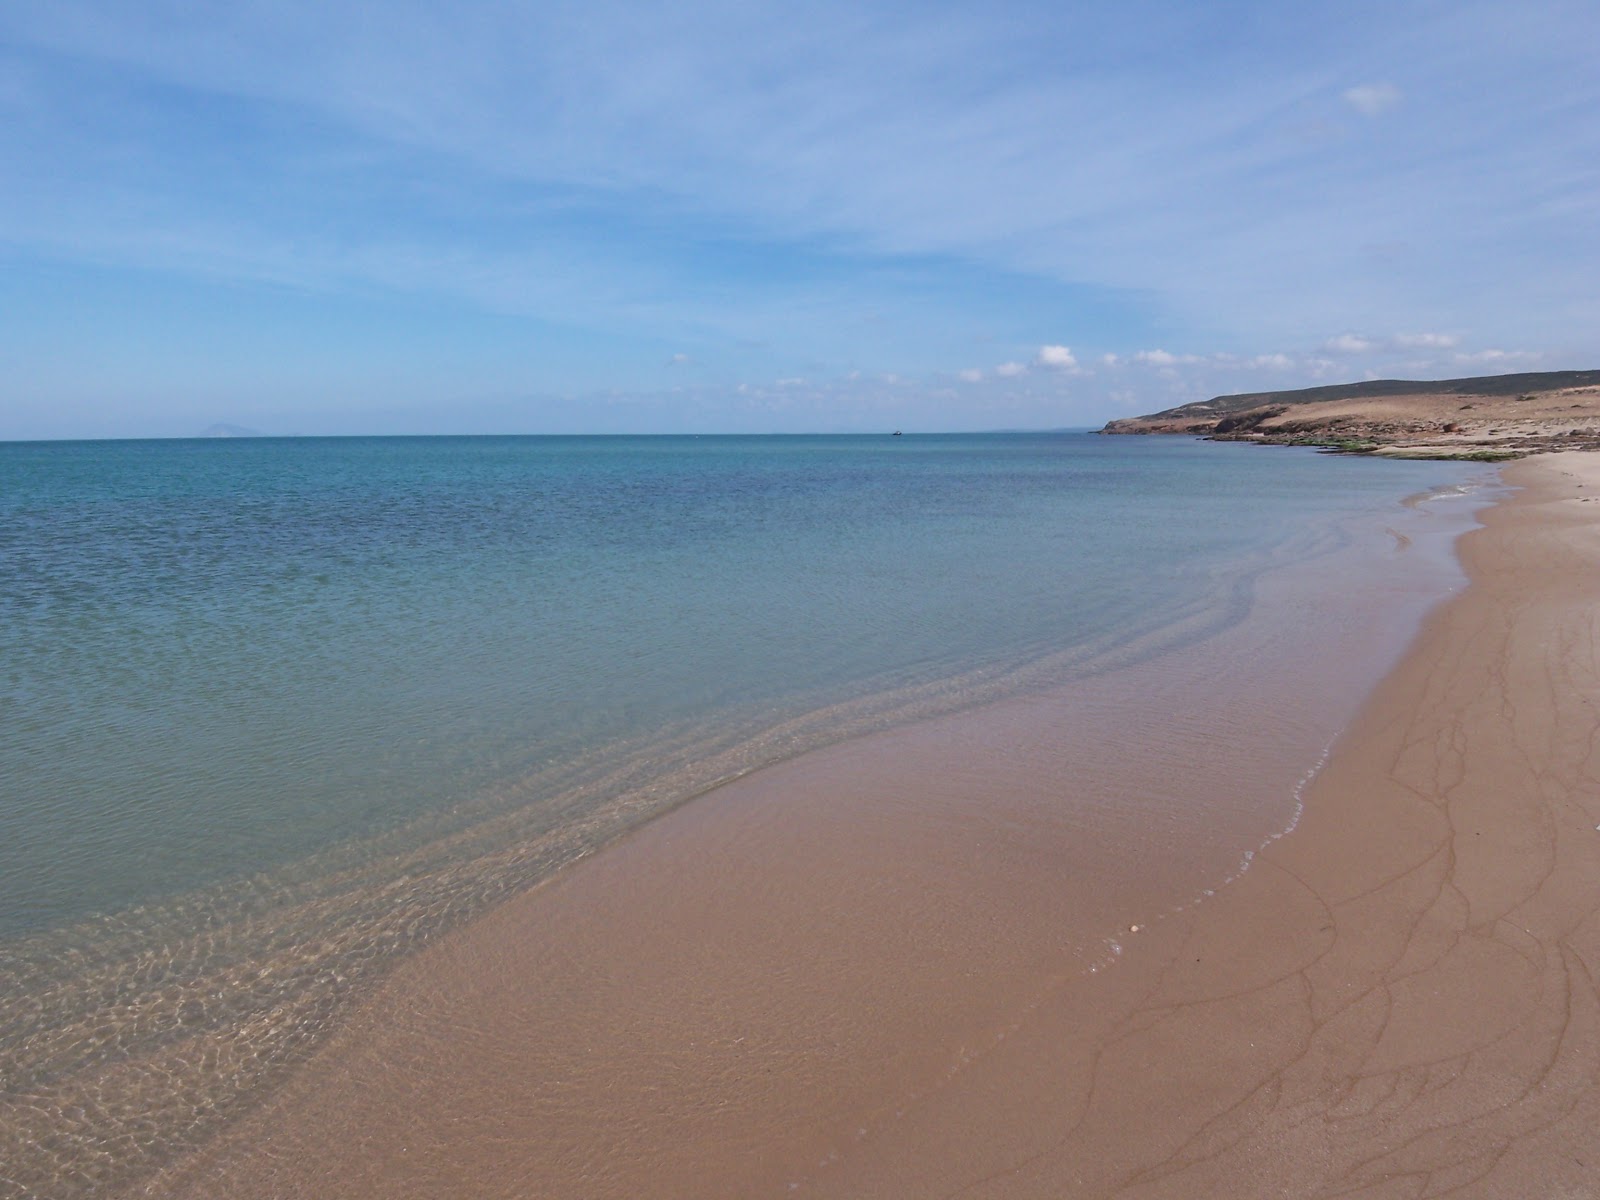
<point>359,216</point>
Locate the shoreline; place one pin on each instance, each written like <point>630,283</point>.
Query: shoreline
<point>468,1073</point>
<point>138,1039</point>
<point>1399,999</point>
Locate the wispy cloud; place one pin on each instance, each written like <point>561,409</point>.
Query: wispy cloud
<point>709,179</point>
<point>1373,99</point>
<point>1359,343</point>
<point>1494,357</point>
<point>1424,341</point>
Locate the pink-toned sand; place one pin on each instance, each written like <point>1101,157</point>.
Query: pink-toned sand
<point>792,987</point>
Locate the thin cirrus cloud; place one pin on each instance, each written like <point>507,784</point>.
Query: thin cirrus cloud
<point>709,180</point>
<point>1425,341</point>
<point>1356,343</point>
<point>1373,99</point>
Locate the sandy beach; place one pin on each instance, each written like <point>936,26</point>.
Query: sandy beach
<point>753,996</point>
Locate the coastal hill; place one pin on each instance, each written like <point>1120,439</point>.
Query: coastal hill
<point>1493,416</point>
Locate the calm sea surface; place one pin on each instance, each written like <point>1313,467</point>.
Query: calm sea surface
<point>273,711</point>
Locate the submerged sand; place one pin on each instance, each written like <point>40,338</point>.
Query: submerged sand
<point>757,996</point>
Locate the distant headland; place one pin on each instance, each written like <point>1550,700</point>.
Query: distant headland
<point>1487,417</point>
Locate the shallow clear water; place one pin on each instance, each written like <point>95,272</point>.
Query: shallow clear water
<point>273,712</point>
<point>217,656</point>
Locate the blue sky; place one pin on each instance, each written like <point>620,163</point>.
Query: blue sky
<point>353,217</point>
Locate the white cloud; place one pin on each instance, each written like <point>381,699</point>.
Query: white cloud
<point>883,137</point>
<point>1271,362</point>
<point>1164,358</point>
<point>1057,358</point>
<point>679,360</point>
<point>1349,343</point>
<point>1010,370</point>
<point>1424,341</point>
<point>970,375</point>
<point>1110,360</point>
<point>1496,356</point>
<point>1373,99</point>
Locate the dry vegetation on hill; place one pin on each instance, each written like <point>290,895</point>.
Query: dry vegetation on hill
<point>1497,416</point>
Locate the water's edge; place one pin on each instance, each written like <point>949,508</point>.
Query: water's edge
<point>135,1036</point>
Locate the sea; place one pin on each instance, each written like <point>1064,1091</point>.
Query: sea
<point>277,712</point>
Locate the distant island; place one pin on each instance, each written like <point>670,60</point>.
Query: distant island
<point>1487,417</point>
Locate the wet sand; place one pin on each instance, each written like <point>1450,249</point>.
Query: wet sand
<point>791,986</point>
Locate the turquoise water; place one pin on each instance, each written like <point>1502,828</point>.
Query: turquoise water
<point>223,655</point>
<point>275,711</point>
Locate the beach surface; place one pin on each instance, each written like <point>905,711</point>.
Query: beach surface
<point>790,986</point>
